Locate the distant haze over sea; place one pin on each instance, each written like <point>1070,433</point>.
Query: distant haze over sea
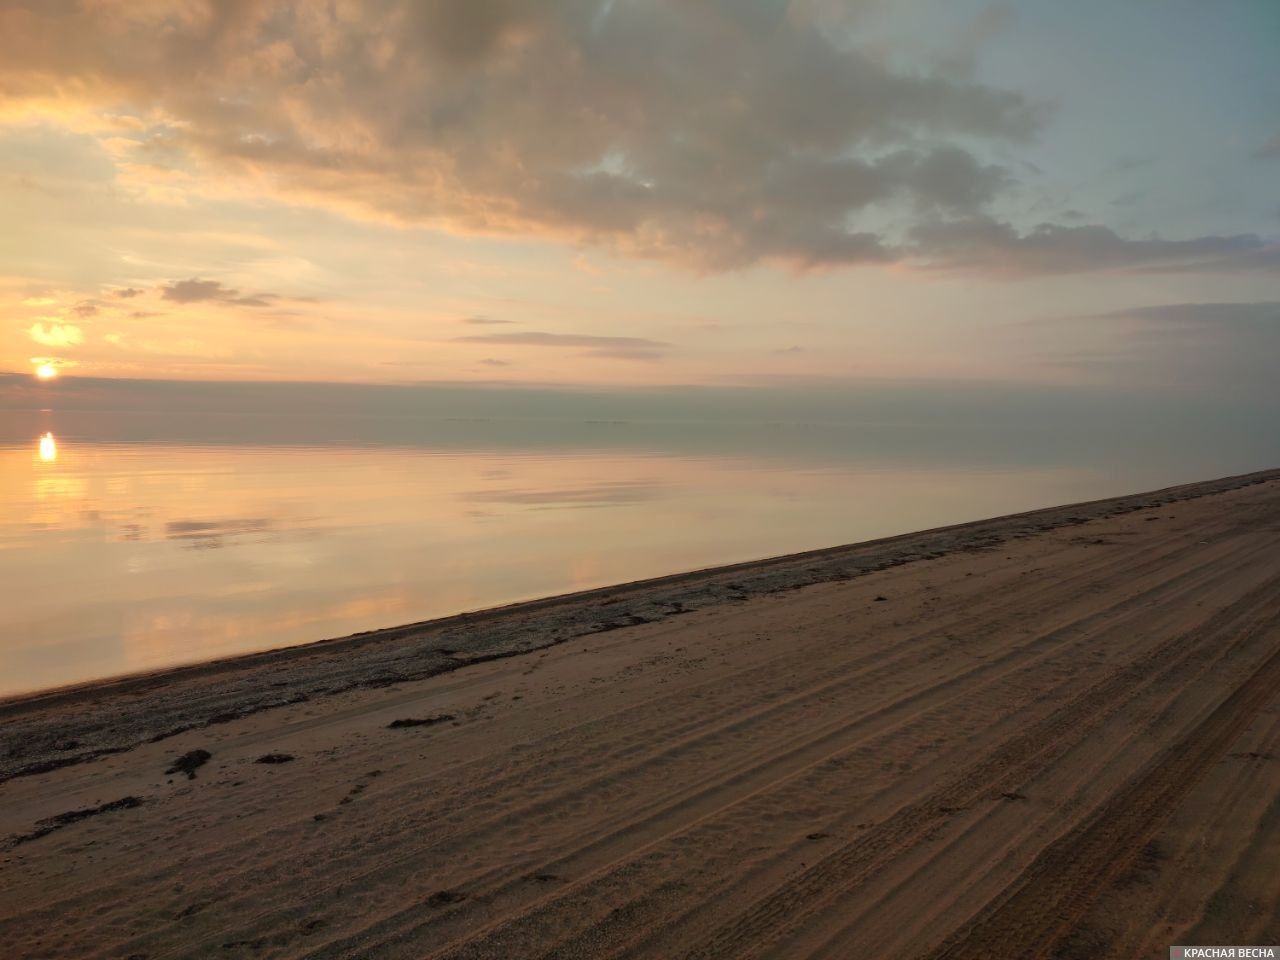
<point>1182,430</point>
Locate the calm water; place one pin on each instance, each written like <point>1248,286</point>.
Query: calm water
<point>120,556</point>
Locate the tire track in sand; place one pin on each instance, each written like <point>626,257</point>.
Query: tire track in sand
<point>771,919</point>
<point>735,784</point>
<point>1058,889</point>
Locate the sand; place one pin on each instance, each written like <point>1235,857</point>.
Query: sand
<point>1049,735</point>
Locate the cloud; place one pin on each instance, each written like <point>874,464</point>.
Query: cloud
<point>1193,345</point>
<point>193,291</point>
<point>985,245</point>
<point>1269,150</point>
<point>86,308</point>
<point>492,362</point>
<point>622,348</point>
<point>960,57</point>
<point>196,291</point>
<point>711,135</point>
<point>479,321</point>
<point>126,293</point>
<point>1262,313</point>
<point>56,334</point>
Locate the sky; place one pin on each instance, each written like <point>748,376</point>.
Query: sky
<point>643,193</point>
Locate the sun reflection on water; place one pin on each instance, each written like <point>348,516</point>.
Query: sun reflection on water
<point>48,448</point>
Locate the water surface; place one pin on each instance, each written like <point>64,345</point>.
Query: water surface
<point>139,539</point>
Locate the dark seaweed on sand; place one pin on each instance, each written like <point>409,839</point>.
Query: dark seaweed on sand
<point>420,721</point>
<point>189,762</point>
<point>57,822</point>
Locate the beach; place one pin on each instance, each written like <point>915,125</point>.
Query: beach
<point>1053,734</point>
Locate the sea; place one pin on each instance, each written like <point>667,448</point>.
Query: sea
<point>145,524</point>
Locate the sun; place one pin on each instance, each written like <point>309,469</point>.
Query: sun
<point>46,371</point>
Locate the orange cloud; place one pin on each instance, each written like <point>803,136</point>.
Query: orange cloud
<point>557,119</point>
<point>55,334</point>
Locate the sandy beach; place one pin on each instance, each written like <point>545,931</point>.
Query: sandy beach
<point>1055,734</point>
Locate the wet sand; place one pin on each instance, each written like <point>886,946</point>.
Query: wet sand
<point>1049,735</point>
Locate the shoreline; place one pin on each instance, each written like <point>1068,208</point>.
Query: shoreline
<point>50,729</point>
<point>1055,732</point>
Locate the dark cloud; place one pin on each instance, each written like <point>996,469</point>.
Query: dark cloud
<point>709,134</point>
<point>127,293</point>
<point>986,245</point>
<point>1269,150</point>
<point>480,321</point>
<point>623,348</point>
<point>1132,162</point>
<point>1196,345</point>
<point>1260,314</point>
<point>85,308</point>
<point>960,57</point>
<point>466,31</point>
<point>193,291</point>
<point>492,362</point>
<point>196,291</point>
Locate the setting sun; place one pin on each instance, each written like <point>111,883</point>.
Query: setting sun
<point>46,371</point>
